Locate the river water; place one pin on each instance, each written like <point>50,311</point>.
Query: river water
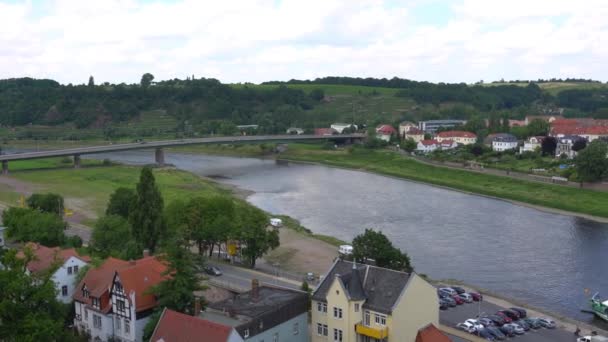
<point>535,257</point>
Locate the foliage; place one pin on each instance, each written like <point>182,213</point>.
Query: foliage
<point>548,146</point>
<point>375,245</point>
<point>151,325</point>
<point>112,237</point>
<point>146,218</point>
<point>591,163</point>
<point>48,203</point>
<point>209,220</point>
<point>537,127</point>
<point>73,241</point>
<point>579,144</point>
<point>24,224</point>
<point>146,80</point>
<point>253,233</point>
<point>409,145</point>
<point>121,202</point>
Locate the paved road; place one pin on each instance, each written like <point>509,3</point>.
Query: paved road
<point>453,316</point>
<point>168,143</point>
<point>239,279</point>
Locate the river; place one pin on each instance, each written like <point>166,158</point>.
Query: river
<point>539,258</point>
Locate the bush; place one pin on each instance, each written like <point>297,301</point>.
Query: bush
<point>66,160</point>
<point>49,203</point>
<point>74,241</point>
<point>33,225</point>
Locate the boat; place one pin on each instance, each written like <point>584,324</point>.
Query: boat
<point>599,308</point>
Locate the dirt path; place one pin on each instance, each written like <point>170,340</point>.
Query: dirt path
<point>18,186</point>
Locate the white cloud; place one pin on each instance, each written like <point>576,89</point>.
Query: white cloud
<point>258,40</point>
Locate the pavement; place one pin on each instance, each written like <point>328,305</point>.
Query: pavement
<point>460,313</point>
<point>239,278</point>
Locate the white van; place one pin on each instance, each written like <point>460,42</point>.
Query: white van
<point>346,249</point>
<point>276,222</point>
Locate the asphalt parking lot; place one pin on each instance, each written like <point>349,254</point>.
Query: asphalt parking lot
<point>460,313</point>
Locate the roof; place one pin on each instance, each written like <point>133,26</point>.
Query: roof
<point>46,257</point>
<point>138,278</point>
<point>429,142</point>
<point>177,327</point>
<point>430,333</point>
<point>503,137</point>
<point>386,129</point>
<point>447,142</point>
<point>99,280</point>
<point>381,287</point>
<point>456,134</point>
<point>414,131</point>
<point>269,299</point>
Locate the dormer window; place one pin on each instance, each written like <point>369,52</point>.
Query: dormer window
<point>85,293</point>
<point>96,303</point>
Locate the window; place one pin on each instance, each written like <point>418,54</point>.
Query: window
<point>322,307</point>
<point>337,335</point>
<point>366,320</point>
<point>319,329</point>
<point>70,270</point>
<point>64,290</point>
<point>120,306</point>
<point>380,319</point>
<point>356,307</point>
<point>75,269</point>
<point>246,333</point>
<point>337,313</point>
<point>96,302</point>
<point>118,323</point>
<point>85,293</point>
<point>325,330</point>
<point>296,328</point>
<point>86,314</point>
<point>275,337</point>
<point>97,321</point>
<point>127,327</point>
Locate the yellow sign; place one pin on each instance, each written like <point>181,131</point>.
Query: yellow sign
<point>22,201</point>
<point>68,212</point>
<point>232,249</point>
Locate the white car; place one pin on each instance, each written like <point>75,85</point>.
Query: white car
<point>466,297</point>
<point>468,327</point>
<point>475,323</point>
<point>449,290</point>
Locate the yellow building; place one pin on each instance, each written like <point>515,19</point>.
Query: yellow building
<point>362,303</point>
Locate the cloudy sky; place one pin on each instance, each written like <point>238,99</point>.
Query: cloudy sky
<point>260,40</point>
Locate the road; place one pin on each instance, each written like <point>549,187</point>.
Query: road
<point>239,278</point>
<point>460,313</point>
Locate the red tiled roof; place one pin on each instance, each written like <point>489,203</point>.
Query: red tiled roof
<point>429,142</point>
<point>456,134</point>
<point>430,333</point>
<point>447,142</point>
<point>386,129</point>
<point>582,126</point>
<point>46,257</point>
<point>99,280</point>
<point>139,278</point>
<point>177,327</point>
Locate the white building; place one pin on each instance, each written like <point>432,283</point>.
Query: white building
<point>339,127</point>
<point>431,145</point>
<point>531,145</point>
<point>503,141</point>
<point>406,126</point>
<point>460,137</point>
<point>113,300</point>
<point>67,261</point>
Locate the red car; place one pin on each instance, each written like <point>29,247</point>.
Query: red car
<point>505,317</point>
<point>458,300</point>
<point>476,296</point>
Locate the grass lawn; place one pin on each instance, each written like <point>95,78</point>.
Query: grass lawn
<point>389,163</point>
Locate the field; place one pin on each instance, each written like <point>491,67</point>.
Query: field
<point>555,87</point>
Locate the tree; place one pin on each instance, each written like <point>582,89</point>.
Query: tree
<point>24,224</point>
<point>111,236</point>
<point>146,218</point>
<point>591,163</point>
<point>409,145</point>
<point>146,80</point>
<point>579,144</point>
<point>91,81</point>
<point>48,203</point>
<point>538,127</point>
<point>120,202</point>
<point>253,234</point>
<point>548,146</point>
<point>29,310</point>
<point>209,220</point>
<point>317,94</point>
<point>375,245</point>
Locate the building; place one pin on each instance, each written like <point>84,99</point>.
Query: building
<point>113,301</point>
<point>325,131</point>
<point>2,243</point>
<point>385,132</point>
<point>460,137</point>
<point>367,303</point>
<point>430,145</point>
<point>294,130</point>
<point>339,127</point>
<point>264,314</point>
<point>430,333</point>
<point>177,327</point>
<point>532,144</point>
<point>503,141</point>
<point>564,146</point>
<point>67,263</point>
<point>546,118</point>
<point>590,129</point>
<point>413,133</point>
<point>431,126</point>
<point>405,126</point>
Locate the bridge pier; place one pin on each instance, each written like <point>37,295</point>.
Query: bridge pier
<point>159,157</point>
<point>77,161</point>
<point>5,167</point>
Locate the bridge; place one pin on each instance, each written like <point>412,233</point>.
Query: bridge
<point>159,145</point>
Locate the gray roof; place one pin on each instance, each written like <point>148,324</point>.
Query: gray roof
<point>380,286</point>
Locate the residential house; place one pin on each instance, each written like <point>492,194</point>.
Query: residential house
<point>430,333</point>
<point>502,141</point>
<point>546,118</point>
<point>532,144</point>
<point>385,132</point>
<point>113,301</point>
<point>325,131</point>
<point>413,133</point>
<point>564,146</point>
<point>177,327</point>
<point>339,127</point>
<point>460,137</point>
<point>405,126</point>
<point>431,126</point>
<point>366,303</point>
<point>264,314</point>
<point>430,145</point>
<point>64,263</point>
<point>295,130</point>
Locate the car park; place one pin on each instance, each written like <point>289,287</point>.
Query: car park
<point>497,320</point>
<point>496,333</point>
<point>466,297</point>
<point>506,318</point>
<point>533,322</point>
<point>466,327</point>
<point>486,322</point>
<point>522,312</point>
<point>486,335</point>
<point>517,330</point>
<point>522,324</point>
<point>547,323</point>
<point>475,323</point>
<point>507,330</point>
<point>513,315</point>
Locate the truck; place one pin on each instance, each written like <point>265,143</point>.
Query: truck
<point>595,338</point>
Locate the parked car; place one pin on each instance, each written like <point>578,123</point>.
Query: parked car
<point>466,327</point>
<point>448,290</point>
<point>458,289</point>
<point>522,312</point>
<point>443,305</point>
<point>506,318</point>
<point>517,329</point>
<point>485,334</point>
<point>466,297</point>
<point>486,322</point>
<point>507,330</point>
<point>213,270</point>
<point>496,333</point>
<point>458,300</point>
<point>522,324</point>
<point>533,322</point>
<point>547,323</point>
<point>477,324</point>
<point>497,320</point>
<point>450,301</point>
<point>476,296</point>
<point>513,315</point>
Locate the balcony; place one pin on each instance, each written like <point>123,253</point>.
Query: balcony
<point>378,333</point>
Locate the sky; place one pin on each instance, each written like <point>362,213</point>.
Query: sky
<point>261,40</point>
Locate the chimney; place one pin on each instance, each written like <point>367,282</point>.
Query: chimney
<point>197,307</point>
<point>255,289</point>
<point>146,253</point>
